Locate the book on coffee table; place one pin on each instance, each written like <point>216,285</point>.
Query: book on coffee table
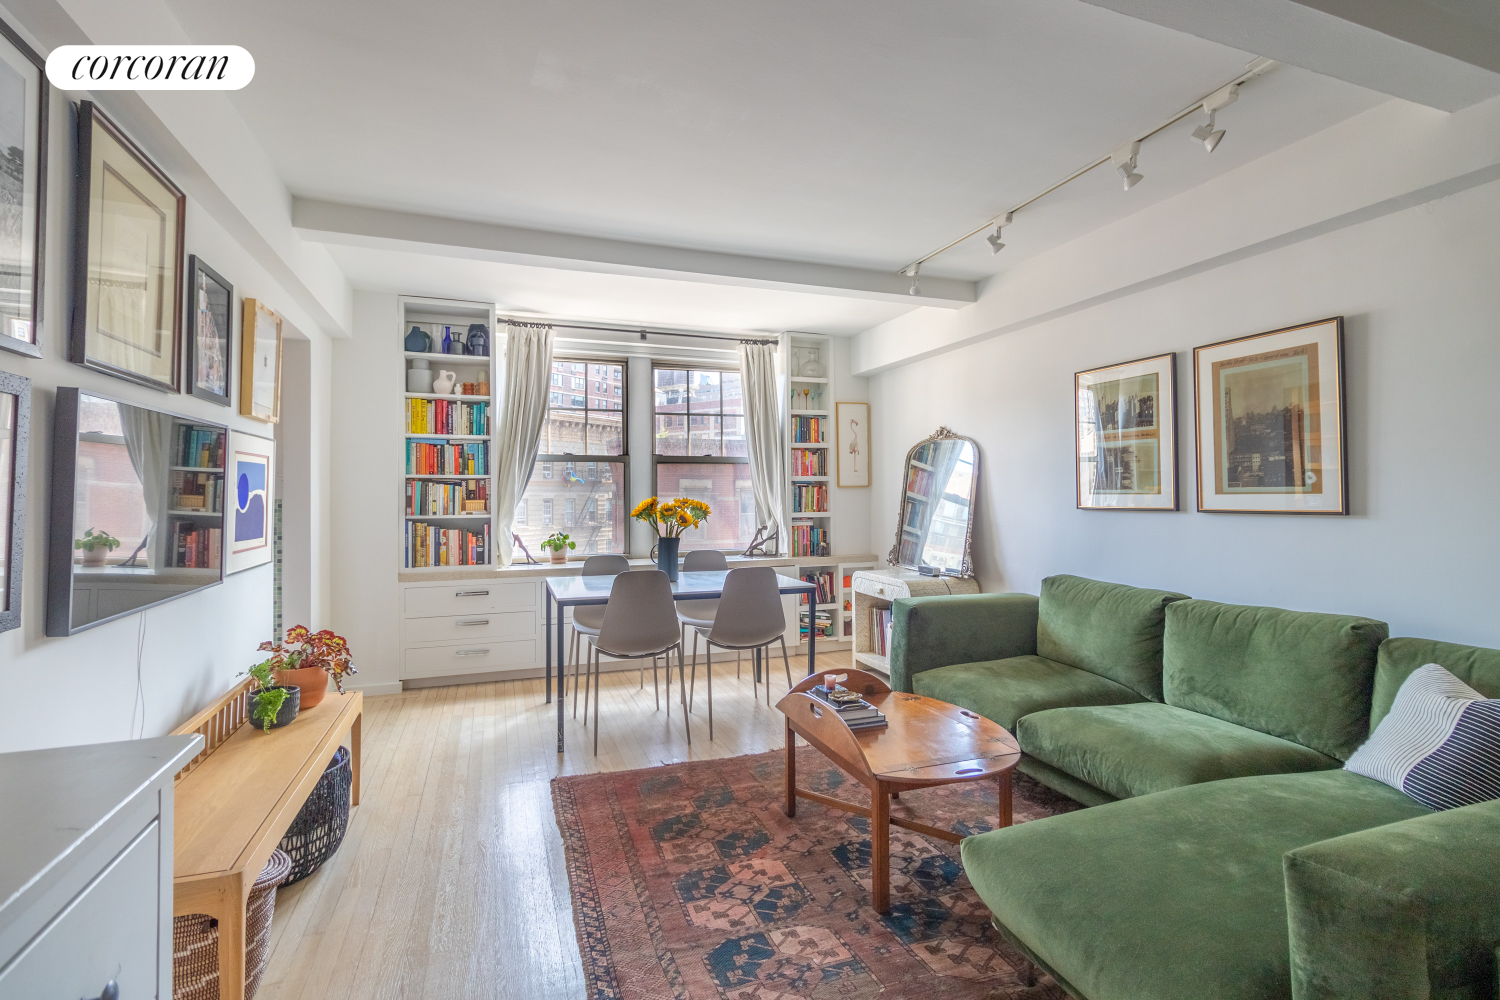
<point>856,713</point>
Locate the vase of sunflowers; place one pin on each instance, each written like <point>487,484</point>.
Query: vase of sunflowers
<point>669,519</point>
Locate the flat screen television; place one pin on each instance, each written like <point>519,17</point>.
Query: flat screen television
<point>137,509</point>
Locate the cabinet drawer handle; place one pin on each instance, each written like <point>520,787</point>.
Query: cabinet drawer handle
<point>471,652</point>
<point>475,621</point>
<point>471,593</point>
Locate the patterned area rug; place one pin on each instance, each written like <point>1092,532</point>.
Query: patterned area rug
<point>689,883</point>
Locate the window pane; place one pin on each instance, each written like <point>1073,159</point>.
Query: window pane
<point>703,436</point>
<point>703,396</point>
<point>726,489</point>
<point>671,390</point>
<point>671,435</point>
<point>606,387</point>
<point>734,438</point>
<point>591,510</point>
<point>606,433</point>
<point>734,394</point>
<point>562,434</point>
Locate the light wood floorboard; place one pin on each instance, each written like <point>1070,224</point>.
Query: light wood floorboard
<point>451,880</point>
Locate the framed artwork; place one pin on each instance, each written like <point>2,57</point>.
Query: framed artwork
<point>852,438</point>
<point>127,259</point>
<point>15,431</point>
<point>210,338</point>
<point>260,363</point>
<point>1270,415</point>
<point>1125,435</point>
<point>23,192</point>
<point>251,468</point>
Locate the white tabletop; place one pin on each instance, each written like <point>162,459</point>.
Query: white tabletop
<point>571,590</point>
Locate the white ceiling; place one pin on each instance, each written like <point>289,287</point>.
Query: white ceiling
<point>856,132</point>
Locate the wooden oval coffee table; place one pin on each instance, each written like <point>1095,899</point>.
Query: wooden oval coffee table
<point>927,742</point>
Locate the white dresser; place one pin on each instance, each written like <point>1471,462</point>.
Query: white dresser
<point>877,589</point>
<point>470,627</point>
<point>86,870</point>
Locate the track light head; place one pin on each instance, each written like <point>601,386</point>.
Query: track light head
<point>914,272</point>
<point>1214,103</point>
<point>994,240</point>
<point>1207,134</point>
<point>1124,163</point>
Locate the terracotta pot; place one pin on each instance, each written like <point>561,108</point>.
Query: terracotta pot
<point>312,680</point>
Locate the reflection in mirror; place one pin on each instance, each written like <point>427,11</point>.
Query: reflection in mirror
<point>937,505</point>
<point>146,490</point>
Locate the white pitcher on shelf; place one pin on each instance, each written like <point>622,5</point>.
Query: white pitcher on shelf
<point>442,383</point>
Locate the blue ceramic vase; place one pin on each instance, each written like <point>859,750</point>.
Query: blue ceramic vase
<point>666,556</point>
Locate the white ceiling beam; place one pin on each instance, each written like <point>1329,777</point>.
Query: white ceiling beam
<point>1443,55</point>
<point>378,228</point>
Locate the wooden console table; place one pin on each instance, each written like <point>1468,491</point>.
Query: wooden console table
<point>235,800</point>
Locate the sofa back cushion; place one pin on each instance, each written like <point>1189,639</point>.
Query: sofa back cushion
<point>1108,629</point>
<point>1474,665</point>
<point>1299,675</point>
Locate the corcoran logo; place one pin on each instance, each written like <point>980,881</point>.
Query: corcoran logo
<point>150,67</point>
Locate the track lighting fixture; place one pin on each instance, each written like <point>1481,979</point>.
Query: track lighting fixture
<point>1124,162</point>
<point>914,272</point>
<point>994,241</point>
<point>1214,103</point>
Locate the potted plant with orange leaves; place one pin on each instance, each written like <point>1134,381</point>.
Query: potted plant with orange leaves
<point>306,659</point>
<point>669,519</point>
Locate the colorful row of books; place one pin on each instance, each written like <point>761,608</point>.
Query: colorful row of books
<point>200,447</point>
<point>807,430</point>
<point>426,458</point>
<point>809,540</point>
<point>197,491</point>
<point>908,554</point>
<point>809,461</point>
<point>882,620</point>
<point>823,580</point>
<point>919,482</point>
<point>430,545</point>
<point>196,547</point>
<point>810,498</point>
<point>446,416</point>
<point>432,498</point>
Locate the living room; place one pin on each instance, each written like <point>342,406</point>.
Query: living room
<point>1009,391</point>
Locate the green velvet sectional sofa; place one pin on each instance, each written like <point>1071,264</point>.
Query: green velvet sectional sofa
<point>1230,856</point>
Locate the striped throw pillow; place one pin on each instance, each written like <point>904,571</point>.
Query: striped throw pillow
<point>1440,744</point>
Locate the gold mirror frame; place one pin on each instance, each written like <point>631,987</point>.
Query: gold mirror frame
<point>941,434</point>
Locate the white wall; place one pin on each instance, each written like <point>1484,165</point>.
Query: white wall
<point>79,689</point>
<point>1420,291</point>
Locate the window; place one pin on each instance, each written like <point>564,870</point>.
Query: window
<point>520,518</point>
<point>581,458</point>
<point>699,451</point>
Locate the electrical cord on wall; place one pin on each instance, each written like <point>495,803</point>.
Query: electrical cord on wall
<point>140,688</point>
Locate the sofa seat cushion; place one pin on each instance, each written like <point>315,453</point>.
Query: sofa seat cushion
<point>1109,629</point>
<point>1005,690</point>
<point>1131,750</point>
<point>1173,896</point>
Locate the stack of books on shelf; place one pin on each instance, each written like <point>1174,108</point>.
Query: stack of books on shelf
<point>809,539</point>
<point>446,416</point>
<point>435,458</point>
<point>823,621</point>
<point>197,491</point>
<point>807,430</point>
<point>882,620</point>
<point>823,580</point>
<point>809,461</point>
<point>854,710</point>
<point>810,498</point>
<point>200,447</point>
<point>435,498</point>
<point>196,547</point>
<point>919,482</point>
<point>430,545</point>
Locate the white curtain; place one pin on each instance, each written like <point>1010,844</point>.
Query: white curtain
<point>769,458</point>
<point>147,438</point>
<point>528,372</point>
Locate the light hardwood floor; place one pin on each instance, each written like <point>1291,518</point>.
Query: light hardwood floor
<point>450,882</point>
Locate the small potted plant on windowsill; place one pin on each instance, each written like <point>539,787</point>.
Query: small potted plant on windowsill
<point>306,659</point>
<point>272,705</point>
<point>558,544</point>
<point>96,546</point>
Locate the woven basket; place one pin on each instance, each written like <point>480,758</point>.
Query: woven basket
<point>195,939</point>
<point>319,828</point>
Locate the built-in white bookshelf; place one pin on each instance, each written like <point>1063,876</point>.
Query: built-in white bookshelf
<point>448,471</point>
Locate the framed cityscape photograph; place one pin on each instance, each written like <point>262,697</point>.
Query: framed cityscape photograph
<point>1125,423</point>
<point>210,339</point>
<point>260,363</point>
<point>15,424</point>
<point>1270,422</point>
<point>127,259</point>
<point>23,192</point>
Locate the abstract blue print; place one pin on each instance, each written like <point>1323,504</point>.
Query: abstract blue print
<point>250,500</point>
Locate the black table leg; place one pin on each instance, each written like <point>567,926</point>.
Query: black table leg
<point>812,639</point>
<point>560,698</point>
<point>547,630</point>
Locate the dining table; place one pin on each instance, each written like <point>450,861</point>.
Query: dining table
<point>575,591</point>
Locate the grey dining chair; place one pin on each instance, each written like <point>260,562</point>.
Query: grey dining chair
<point>587,618</point>
<point>640,622</point>
<point>749,616</point>
<point>701,561</point>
